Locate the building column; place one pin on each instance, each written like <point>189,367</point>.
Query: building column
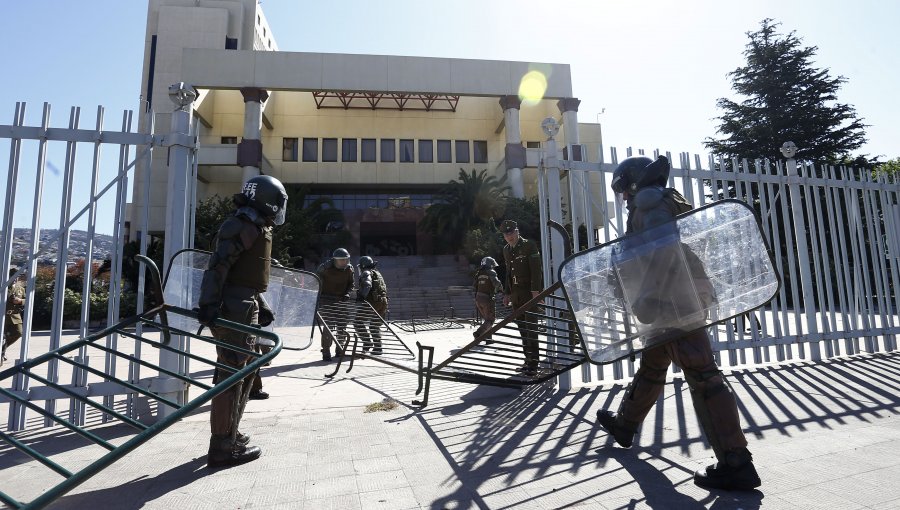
<point>249,154</point>
<point>515,151</point>
<point>579,182</point>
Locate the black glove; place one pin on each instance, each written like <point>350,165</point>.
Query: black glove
<point>207,314</point>
<point>360,298</point>
<point>646,309</point>
<point>345,297</point>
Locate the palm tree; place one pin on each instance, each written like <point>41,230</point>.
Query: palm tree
<point>471,200</point>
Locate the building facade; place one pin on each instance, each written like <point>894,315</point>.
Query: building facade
<point>379,135</point>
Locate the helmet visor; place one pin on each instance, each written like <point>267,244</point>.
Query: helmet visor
<point>282,211</point>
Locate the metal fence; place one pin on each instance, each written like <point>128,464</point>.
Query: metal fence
<point>835,236</point>
<point>129,149</point>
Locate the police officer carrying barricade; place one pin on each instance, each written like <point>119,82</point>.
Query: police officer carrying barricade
<point>373,290</point>
<point>487,286</point>
<point>524,281</point>
<point>337,278</point>
<point>15,303</point>
<point>641,183</point>
<point>232,287</point>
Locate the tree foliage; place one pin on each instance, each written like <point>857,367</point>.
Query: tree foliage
<point>467,202</point>
<point>785,98</point>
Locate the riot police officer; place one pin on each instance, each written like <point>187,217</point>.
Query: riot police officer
<point>238,272</point>
<point>337,278</point>
<point>524,281</point>
<point>487,286</point>
<point>373,290</point>
<point>15,303</point>
<point>641,183</point>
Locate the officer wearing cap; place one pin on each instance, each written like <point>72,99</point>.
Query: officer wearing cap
<point>337,284</point>
<point>524,281</point>
<point>15,303</point>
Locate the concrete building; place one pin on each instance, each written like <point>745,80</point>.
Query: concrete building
<point>378,134</point>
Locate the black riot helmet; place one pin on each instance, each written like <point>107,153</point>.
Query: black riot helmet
<point>366,262</point>
<point>488,262</point>
<point>340,253</point>
<point>639,172</point>
<point>266,194</point>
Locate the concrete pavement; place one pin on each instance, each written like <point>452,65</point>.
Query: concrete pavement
<point>824,435</point>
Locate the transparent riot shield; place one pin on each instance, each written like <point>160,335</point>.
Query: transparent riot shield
<point>291,294</point>
<point>648,288</point>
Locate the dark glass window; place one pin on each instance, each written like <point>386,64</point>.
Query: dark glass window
<point>444,151</point>
<point>367,150</point>
<point>462,151</point>
<point>388,150</point>
<point>231,43</point>
<point>479,148</point>
<point>229,140</point>
<point>407,151</point>
<point>311,149</point>
<point>348,150</point>
<point>532,145</point>
<point>426,151</point>
<point>329,150</point>
<point>289,149</point>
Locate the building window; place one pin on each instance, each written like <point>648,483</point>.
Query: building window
<point>444,151</point>
<point>289,149</point>
<point>348,150</point>
<point>479,148</point>
<point>329,150</point>
<point>532,145</point>
<point>426,151</point>
<point>367,150</point>
<point>311,149</point>
<point>231,43</point>
<point>407,151</point>
<point>229,140</point>
<point>388,150</point>
<point>462,151</point>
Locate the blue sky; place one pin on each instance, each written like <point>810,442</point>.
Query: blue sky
<point>656,68</point>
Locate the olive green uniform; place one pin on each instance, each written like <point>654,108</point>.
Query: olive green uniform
<point>12,329</point>
<point>238,272</point>
<point>337,285</point>
<point>486,285</point>
<point>373,290</point>
<point>524,275</point>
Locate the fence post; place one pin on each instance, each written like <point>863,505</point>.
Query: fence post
<point>789,150</point>
<point>178,232</point>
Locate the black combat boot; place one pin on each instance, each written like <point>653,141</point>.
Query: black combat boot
<point>242,439</point>
<point>258,395</point>
<point>224,453</point>
<point>621,430</point>
<point>736,473</point>
<point>326,354</point>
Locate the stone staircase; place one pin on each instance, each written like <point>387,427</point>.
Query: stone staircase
<point>424,286</point>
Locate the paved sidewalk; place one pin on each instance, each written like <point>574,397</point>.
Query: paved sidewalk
<point>824,435</point>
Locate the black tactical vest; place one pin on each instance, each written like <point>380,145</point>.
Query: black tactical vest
<point>252,267</point>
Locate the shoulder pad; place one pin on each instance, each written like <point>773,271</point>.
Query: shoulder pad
<point>648,198</point>
<point>681,203</point>
<point>492,273</point>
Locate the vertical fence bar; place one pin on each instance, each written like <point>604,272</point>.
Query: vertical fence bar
<point>862,291</point>
<point>12,185</point>
<point>22,382</point>
<point>848,300</point>
<point>823,263</point>
<point>79,376</point>
<point>876,255</point>
<point>62,260</point>
<point>762,191</point>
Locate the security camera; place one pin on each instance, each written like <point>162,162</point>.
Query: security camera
<point>550,126</point>
<point>182,94</point>
<point>789,150</point>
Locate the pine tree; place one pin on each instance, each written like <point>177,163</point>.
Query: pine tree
<point>785,98</point>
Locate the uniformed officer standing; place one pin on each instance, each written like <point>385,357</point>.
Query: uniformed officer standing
<point>524,281</point>
<point>337,285</point>
<point>237,274</point>
<point>641,181</point>
<point>373,290</point>
<point>15,303</point>
<point>487,286</point>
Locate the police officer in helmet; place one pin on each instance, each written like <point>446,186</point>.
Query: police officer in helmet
<point>641,182</point>
<point>487,286</point>
<point>237,275</point>
<point>337,284</point>
<point>373,290</point>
